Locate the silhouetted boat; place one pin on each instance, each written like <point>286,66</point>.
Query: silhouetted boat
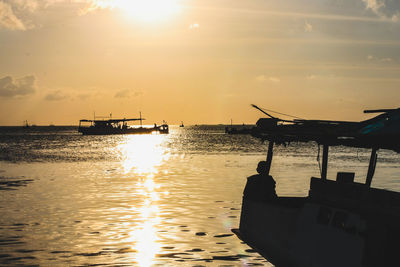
<point>26,125</point>
<point>239,130</point>
<point>235,129</point>
<point>181,124</point>
<point>119,126</point>
<point>339,223</point>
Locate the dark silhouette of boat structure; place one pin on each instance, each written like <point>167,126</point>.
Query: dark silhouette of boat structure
<point>239,129</point>
<point>341,222</point>
<point>118,126</point>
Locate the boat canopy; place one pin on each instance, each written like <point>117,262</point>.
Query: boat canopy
<point>113,120</point>
<point>382,131</point>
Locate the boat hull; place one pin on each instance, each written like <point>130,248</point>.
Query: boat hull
<point>338,224</point>
<point>113,131</point>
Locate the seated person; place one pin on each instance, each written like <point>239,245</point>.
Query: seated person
<point>260,186</point>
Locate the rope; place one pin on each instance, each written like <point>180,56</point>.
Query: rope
<point>282,114</point>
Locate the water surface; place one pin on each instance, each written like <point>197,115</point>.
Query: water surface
<point>145,200</point>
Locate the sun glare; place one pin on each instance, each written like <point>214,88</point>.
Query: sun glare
<point>148,10</point>
<point>142,154</point>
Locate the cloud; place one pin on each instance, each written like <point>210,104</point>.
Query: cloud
<point>263,78</point>
<point>274,79</point>
<point>84,96</point>
<point>8,19</point>
<point>308,27</point>
<point>19,87</point>
<point>377,59</point>
<point>56,96</point>
<point>374,5</point>
<point>386,59</point>
<point>311,77</point>
<point>127,93</point>
<point>16,14</point>
<point>194,26</point>
<point>395,17</point>
<point>386,10</point>
<point>29,5</point>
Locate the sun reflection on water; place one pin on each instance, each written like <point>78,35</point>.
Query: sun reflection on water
<point>147,244</point>
<point>142,154</point>
<point>143,237</point>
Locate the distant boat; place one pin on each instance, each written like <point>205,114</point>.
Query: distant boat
<point>26,125</point>
<point>119,126</point>
<point>236,130</point>
<point>181,124</point>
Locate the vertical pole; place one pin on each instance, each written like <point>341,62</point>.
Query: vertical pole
<point>324,162</point>
<point>371,167</point>
<point>140,114</point>
<point>269,156</point>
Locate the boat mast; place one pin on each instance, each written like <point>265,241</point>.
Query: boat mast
<point>140,115</point>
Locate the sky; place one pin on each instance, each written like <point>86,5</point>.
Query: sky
<point>200,62</point>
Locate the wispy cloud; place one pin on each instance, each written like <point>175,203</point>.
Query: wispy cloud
<point>194,26</point>
<point>321,16</point>
<point>308,27</point>
<point>57,95</point>
<point>378,59</point>
<point>126,93</point>
<point>18,87</point>
<point>8,19</point>
<point>387,59</point>
<point>274,79</point>
<point>374,5</point>
<point>14,14</point>
<point>84,96</point>
<point>385,10</point>
<point>263,78</point>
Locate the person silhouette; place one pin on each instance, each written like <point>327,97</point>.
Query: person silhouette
<point>261,186</point>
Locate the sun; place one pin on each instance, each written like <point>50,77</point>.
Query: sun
<point>148,10</point>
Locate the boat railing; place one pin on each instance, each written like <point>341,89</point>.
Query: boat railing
<point>351,194</point>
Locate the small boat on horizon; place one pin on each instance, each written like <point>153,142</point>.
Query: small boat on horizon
<point>181,124</point>
<point>340,222</point>
<point>26,125</point>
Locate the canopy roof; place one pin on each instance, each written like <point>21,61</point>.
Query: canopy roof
<point>113,120</point>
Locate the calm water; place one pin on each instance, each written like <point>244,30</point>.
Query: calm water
<point>145,200</point>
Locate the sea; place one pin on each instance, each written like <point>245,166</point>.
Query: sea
<point>147,200</point>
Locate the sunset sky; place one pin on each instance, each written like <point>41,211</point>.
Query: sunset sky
<point>196,61</point>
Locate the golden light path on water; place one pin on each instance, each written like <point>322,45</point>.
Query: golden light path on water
<point>141,155</point>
